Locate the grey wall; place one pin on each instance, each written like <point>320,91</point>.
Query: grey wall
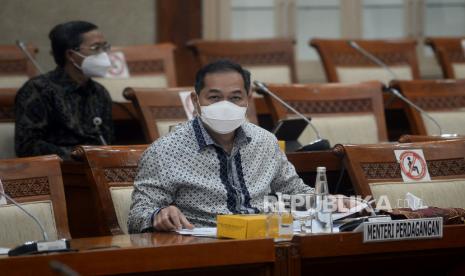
<point>123,22</point>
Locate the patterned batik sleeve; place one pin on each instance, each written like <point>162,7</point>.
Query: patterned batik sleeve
<point>152,191</point>
<point>31,114</point>
<point>287,181</point>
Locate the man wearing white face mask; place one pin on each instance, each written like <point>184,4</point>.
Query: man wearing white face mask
<point>217,163</point>
<point>59,110</point>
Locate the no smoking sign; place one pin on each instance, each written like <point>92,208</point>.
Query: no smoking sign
<point>413,165</point>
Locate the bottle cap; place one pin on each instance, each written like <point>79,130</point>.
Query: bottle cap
<point>321,169</point>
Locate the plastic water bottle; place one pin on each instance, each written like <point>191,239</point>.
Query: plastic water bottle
<point>323,207</point>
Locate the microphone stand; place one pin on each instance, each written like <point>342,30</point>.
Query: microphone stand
<point>23,48</point>
<point>319,143</point>
<point>39,246</point>
<point>394,92</point>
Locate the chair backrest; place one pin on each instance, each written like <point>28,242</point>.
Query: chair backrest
<point>148,65</point>
<point>450,55</point>
<point>343,113</point>
<point>36,183</point>
<point>374,170</point>
<point>15,67</point>
<point>7,123</point>
<point>160,108</point>
<point>113,169</point>
<point>342,63</point>
<point>268,60</point>
<point>444,100</point>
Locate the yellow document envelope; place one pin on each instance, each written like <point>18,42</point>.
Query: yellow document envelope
<point>241,226</point>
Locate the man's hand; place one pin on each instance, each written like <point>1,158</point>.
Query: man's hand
<point>170,219</point>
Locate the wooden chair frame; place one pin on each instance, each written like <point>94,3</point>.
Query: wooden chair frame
<point>430,95</point>
<point>150,59</point>
<point>333,98</point>
<point>338,53</point>
<point>256,52</point>
<point>110,166</point>
<point>14,62</point>
<point>377,163</point>
<point>448,50</point>
<point>37,178</point>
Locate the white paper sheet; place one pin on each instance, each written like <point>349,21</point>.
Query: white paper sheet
<point>199,232</point>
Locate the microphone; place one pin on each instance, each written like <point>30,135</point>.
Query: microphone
<point>394,91</point>
<point>23,48</point>
<point>372,58</point>
<point>97,121</point>
<point>319,143</point>
<point>39,246</point>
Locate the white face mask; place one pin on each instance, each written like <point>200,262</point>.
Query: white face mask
<point>95,65</point>
<point>223,117</point>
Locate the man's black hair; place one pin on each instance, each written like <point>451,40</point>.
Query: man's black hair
<point>221,66</point>
<point>67,36</point>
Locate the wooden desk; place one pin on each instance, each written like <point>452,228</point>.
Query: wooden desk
<point>320,254</point>
<point>345,253</point>
<point>80,198</point>
<point>161,253</point>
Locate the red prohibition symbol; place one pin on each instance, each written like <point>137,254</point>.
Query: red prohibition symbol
<point>413,165</point>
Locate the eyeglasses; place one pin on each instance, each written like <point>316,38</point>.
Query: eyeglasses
<point>98,48</point>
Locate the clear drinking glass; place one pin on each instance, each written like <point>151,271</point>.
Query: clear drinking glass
<point>306,212</point>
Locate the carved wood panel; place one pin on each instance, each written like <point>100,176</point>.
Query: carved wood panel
<point>334,106</point>
<point>436,168</point>
<point>26,187</point>
<point>121,174</point>
<point>13,67</point>
<point>168,112</point>
<point>355,59</point>
<point>140,67</point>
<point>444,102</point>
<point>275,58</point>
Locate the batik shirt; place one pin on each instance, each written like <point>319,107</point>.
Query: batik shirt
<point>54,114</point>
<point>186,168</point>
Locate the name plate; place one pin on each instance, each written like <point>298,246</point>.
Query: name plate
<point>408,229</point>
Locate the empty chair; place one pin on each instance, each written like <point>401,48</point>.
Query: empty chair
<point>268,60</point>
<point>342,63</point>
<point>148,66</point>
<point>161,108</point>
<point>444,100</point>
<point>15,68</point>
<point>113,169</point>
<point>36,183</point>
<point>450,55</point>
<point>343,113</point>
<point>375,171</point>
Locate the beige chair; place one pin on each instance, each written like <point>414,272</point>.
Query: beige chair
<point>35,183</point>
<point>374,171</point>
<point>444,100</point>
<point>15,68</point>
<point>7,123</point>
<point>113,169</point>
<point>343,113</point>
<point>148,65</point>
<point>450,55</point>
<point>161,108</point>
<point>342,63</point>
